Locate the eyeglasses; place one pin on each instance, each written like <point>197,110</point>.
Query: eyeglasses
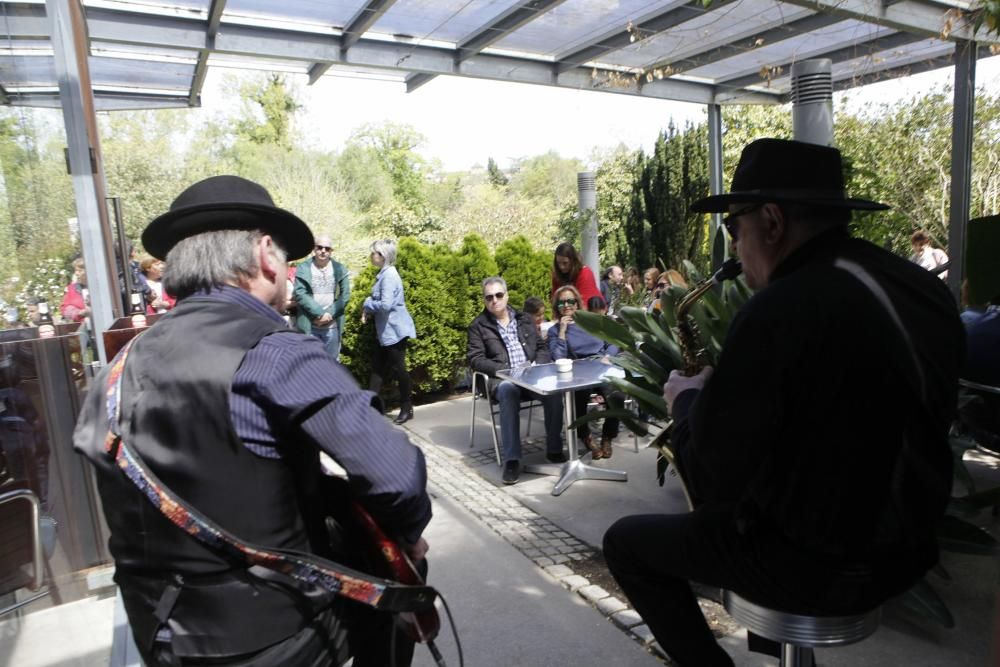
<point>492,297</point>
<point>324,247</point>
<point>562,303</point>
<point>729,222</point>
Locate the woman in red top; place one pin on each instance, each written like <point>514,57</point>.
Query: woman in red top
<point>568,269</point>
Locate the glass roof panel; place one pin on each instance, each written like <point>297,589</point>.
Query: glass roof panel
<point>442,20</point>
<point>573,24</point>
<point>17,71</point>
<point>114,50</point>
<point>838,35</point>
<point>730,22</point>
<point>121,72</point>
<point>330,13</point>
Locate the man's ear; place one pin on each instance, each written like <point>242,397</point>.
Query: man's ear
<point>776,224</point>
<point>266,256</point>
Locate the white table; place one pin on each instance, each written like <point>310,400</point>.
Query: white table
<point>545,379</point>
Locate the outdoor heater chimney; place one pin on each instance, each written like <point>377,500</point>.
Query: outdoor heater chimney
<point>587,198</point>
<point>812,101</point>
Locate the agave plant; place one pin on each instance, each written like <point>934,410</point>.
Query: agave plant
<point>650,351</point>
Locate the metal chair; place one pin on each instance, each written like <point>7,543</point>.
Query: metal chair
<point>799,634</point>
<point>481,390</point>
<point>980,417</point>
<point>20,546</point>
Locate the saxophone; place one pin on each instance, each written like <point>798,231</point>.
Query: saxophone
<point>687,332</point>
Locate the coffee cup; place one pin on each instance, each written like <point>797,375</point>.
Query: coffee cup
<point>564,365</point>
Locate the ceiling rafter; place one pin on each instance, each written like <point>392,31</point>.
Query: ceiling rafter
<point>923,65</point>
<point>515,17</point>
<point>201,68</point>
<point>913,16</point>
<point>359,24</point>
<point>620,39</point>
<point>857,49</point>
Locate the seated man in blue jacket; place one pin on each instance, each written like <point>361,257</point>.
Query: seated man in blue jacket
<point>500,337</point>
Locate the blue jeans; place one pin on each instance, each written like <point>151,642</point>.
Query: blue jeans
<point>509,396</point>
<point>331,339</point>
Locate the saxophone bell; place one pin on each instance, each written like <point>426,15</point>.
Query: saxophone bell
<point>687,335</point>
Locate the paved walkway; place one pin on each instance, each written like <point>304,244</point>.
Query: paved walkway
<point>491,539</point>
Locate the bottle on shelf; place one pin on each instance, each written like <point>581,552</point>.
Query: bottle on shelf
<point>46,327</point>
<point>138,311</point>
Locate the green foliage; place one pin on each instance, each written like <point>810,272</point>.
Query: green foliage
<point>268,109</point>
<point>495,176</point>
<point>528,271</point>
<point>476,263</point>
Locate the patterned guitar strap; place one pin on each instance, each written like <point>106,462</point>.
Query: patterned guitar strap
<point>308,573</point>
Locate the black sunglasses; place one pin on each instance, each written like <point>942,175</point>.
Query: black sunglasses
<point>491,297</point>
<point>565,302</point>
<point>729,222</point>
<point>324,247</point>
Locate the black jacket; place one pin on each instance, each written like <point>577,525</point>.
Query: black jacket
<point>826,419</point>
<point>487,352</point>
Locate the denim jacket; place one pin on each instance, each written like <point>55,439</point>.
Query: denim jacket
<point>392,321</point>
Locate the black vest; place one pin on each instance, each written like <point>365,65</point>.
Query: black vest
<point>175,413</point>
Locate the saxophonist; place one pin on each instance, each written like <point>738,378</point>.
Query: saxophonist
<point>816,454</point>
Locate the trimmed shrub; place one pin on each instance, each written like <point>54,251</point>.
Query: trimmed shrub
<point>528,272</point>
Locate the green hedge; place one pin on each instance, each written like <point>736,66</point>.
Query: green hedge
<point>443,294</point>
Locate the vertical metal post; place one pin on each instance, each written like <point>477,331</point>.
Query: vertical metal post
<point>963,113</point>
<point>717,238</point>
<point>587,203</point>
<point>70,49</point>
<point>124,261</point>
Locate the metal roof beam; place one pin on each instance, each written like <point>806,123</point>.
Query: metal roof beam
<point>198,80</point>
<point>620,39</point>
<point>947,60</point>
<point>751,41</point>
<point>359,24</point>
<point>500,27</point>
<point>503,25</point>
<point>913,16</point>
<point>855,50</point>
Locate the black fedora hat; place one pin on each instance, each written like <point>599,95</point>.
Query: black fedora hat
<point>226,202</point>
<point>784,171</point>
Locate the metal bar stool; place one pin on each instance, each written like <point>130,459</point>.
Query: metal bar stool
<point>799,634</point>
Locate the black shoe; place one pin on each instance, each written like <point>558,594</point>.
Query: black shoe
<point>558,457</point>
<point>511,472</point>
<point>405,415</point>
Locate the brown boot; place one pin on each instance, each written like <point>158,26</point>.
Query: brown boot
<point>606,450</point>
<point>595,450</point>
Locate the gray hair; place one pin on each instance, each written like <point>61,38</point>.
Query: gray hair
<point>494,279</point>
<point>210,259</point>
<point>386,248</point>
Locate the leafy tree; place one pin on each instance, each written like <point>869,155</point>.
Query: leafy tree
<point>394,148</point>
<point>496,177</point>
<point>267,114</point>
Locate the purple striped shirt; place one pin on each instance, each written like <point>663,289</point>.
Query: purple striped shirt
<point>288,387</point>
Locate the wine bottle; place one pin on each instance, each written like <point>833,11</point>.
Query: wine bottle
<point>138,311</point>
<point>46,327</point>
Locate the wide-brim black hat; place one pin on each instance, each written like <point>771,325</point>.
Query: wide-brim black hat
<point>784,171</point>
<point>226,202</point>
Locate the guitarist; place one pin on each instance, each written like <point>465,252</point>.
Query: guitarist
<point>230,409</point>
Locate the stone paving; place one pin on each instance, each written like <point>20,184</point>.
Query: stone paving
<point>552,549</point>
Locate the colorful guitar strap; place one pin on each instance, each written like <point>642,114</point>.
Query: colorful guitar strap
<point>304,568</point>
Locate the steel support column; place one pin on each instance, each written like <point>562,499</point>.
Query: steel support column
<point>717,239</point>
<point>963,113</point>
<point>69,43</point>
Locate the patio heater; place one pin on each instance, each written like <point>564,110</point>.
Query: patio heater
<point>812,101</point>
<point>586,188</point>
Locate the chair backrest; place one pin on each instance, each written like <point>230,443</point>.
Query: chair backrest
<point>20,541</point>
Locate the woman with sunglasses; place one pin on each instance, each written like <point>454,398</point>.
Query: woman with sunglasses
<point>393,327</point>
<point>568,269</point>
<point>568,341</point>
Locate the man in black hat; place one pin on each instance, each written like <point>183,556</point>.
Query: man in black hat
<point>230,409</point>
<point>816,454</point>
